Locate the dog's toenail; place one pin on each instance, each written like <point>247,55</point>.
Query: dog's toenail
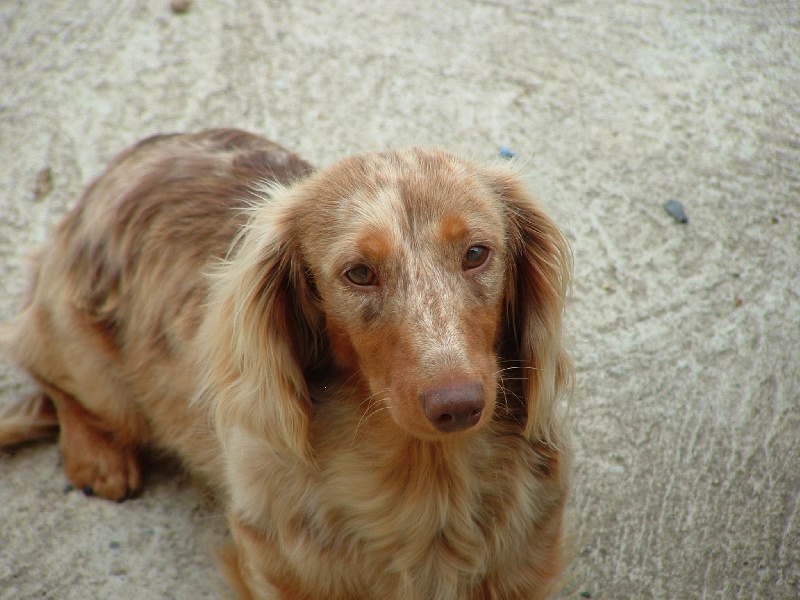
<point>88,490</point>
<point>68,488</point>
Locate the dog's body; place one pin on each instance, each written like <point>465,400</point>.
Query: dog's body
<point>367,361</point>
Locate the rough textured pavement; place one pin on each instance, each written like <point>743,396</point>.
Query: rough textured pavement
<point>687,336</point>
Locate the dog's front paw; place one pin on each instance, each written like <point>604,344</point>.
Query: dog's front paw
<point>94,463</point>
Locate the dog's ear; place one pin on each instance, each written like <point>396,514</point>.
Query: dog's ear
<point>539,269</point>
<point>263,329</point>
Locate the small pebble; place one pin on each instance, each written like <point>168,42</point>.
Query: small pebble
<point>180,6</point>
<point>114,545</point>
<point>585,594</point>
<point>675,209</point>
<point>44,183</point>
<point>506,152</point>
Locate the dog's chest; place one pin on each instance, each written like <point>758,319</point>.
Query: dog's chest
<point>427,529</point>
<point>372,526</point>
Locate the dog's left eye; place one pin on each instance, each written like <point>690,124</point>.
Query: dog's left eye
<point>474,257</point>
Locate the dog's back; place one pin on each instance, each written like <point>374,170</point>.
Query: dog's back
<point>155,221</point>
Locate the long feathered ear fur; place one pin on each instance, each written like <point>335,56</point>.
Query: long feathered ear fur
<point>262,330</point>
<point>540,266</point>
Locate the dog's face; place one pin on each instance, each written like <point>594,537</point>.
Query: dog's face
<point>409,262</point>
<point>434,282</point>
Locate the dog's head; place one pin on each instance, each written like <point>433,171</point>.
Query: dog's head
<point>435,283</point>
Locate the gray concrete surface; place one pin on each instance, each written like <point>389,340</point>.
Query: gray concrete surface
<point>687,337</point>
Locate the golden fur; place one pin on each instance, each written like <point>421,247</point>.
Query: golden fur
<point>366,360</point>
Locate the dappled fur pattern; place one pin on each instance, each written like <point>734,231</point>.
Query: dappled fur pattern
<point>200,300</point>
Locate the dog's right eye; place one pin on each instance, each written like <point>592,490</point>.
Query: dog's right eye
<point>361,276</point>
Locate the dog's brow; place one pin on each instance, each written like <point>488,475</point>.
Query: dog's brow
<point>452,228</point>
<point>375,244</point>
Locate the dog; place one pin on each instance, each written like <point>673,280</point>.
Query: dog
<point>365,361</point>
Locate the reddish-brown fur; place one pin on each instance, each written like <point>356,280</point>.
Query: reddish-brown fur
<point>303,340</point>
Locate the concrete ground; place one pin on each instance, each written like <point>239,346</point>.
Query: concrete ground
<point>686,336</point>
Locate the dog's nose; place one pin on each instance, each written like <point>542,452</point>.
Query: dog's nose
<point>455,406</point>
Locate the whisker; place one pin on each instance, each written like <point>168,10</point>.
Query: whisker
<point>514,367</point>
<point>505,410</point>
<point>370,398</point>
<point>372,401</point>
<point>364,419</point>
<point>348,380</point>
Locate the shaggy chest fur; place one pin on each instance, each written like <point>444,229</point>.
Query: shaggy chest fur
<point>405,519</point>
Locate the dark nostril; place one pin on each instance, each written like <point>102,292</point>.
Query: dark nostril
<point>444,420</point>
<point>453,407</point>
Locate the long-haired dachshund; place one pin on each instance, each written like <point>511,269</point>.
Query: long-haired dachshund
<point>366,360</point>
